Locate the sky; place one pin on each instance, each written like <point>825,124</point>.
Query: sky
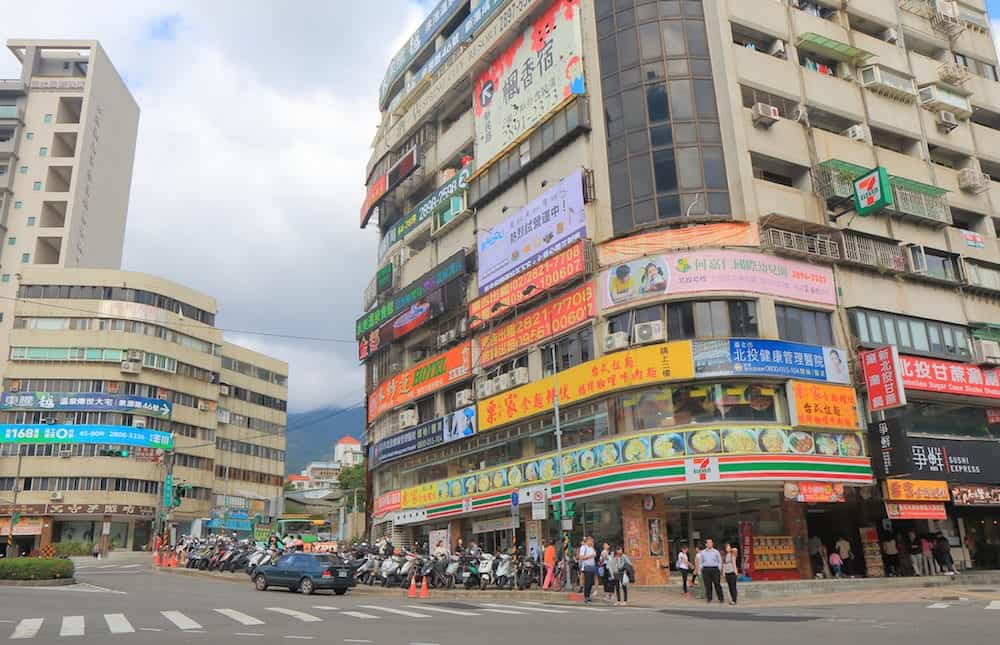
<point>255,129</point>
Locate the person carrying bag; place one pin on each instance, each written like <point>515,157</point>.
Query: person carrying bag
<point>621,573</point>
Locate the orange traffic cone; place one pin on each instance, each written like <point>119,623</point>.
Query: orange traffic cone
<point>173,560</point>
<point>412,593</point>
<point>424,593</point>
<point>156,558</point>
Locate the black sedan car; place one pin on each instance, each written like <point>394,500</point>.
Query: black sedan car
<point>306,572</point>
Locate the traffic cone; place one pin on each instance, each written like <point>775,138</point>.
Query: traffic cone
<point>173,560</point>
<point>412,593</point>
<point>424,592</point>
<point>156,558</point>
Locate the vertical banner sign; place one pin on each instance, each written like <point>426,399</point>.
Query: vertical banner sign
<point>883,374</point>
<point>746,541</point>
<point>525,83</point>
<point>889,447</point>
<point>872,192</point>
<point>168,493</point>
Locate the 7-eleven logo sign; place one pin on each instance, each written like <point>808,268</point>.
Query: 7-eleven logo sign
<point>701,469</point>
<point>872,191</point>
<point>868,190</point>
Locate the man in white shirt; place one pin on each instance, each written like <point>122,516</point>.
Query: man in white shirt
<point>587,559</point>
<point>711,570</point>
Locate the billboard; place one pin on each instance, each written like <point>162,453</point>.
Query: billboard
<point>545,226</point>
<point>383,184</point>
<point>656,276</point>
<point>635,246</point>
<point>86,402</point>
<point>423,378</point>
<point>819,405</point>
<point>102,434</point>
<point>560,268</point>
<point>451,427</point>
<point>548,320</point>
<point>883,378</point>
<point>950,377</point>
<point>761,357</point>
<point>530,79</point>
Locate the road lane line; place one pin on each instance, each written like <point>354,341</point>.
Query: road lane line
<point>442,610</point>
<point>130,566</point>
<point>995,604</point>
<point>401,612</point>
<point>27,628</point>
<point>180,620</point>
<point>118,624</point>
<point>356,640</point>
<point>502,611</point>
<point>541,609</point>
<point>301,615</point>
<point>247,634</point>
<point>72,626</point>
<point>325,607</point>
<point>357,614</point>
<point>939,605</point>
<point>239,617</point>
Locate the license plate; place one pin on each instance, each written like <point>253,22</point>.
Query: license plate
<point>465,575</point>
<point>342,573</point>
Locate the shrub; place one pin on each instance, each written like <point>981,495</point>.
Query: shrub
<point>35,568</point>
<point>73,548</point>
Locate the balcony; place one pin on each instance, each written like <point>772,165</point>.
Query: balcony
<point>768,17</point>
<point>981,277</point>
<point>766,72</point>
<point>814,247</point>
<point>833,179</point>
<point>834,95</point>
<point>874,253</point>
<point>800,206</point>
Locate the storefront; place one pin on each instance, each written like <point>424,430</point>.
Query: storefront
<point>113,526</point>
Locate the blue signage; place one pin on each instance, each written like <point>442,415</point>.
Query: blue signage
<point>115,435</point>
<point>760,357</point>
<point>457,425</point>
<point>86,402</point>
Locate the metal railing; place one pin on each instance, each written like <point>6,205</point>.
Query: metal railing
<point>874,252</point>
<point>817,246</point>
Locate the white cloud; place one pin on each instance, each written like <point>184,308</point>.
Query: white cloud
<point>254,135</point>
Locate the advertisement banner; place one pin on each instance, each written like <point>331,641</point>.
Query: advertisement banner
<point>551,319</point>
<point>525,83</point>
<point>916,490</point>
<point>883,378</point>
<point>814,492</point>
<point>418,314</point>
<point>383,185</point>
<point>915,511</point>
<point>759,357</point>
<point>889,447</point>
<point>96,434</point>
<point>428,376</point>
<point>822,406</point>
<point>545,226</point>
<point>656,276</point>
<point>636,246</point>
<point>746,543</point>
<point>971,495</point>
<point>950,377</point>
<point>610,373</point>
<point>451,427</point>
<point>560,268</point>
<point>387,502</point>
<point>956,460</point>
<point>86,402</point>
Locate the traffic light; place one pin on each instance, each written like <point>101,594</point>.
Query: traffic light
<point>557,510</point>
<point>179,492</point>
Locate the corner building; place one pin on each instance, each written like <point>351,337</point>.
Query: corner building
<point>645,212</point>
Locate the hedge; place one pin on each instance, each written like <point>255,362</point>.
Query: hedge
<point>73,548</point>
<point>35,568</point>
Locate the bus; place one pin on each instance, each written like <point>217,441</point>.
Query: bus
<point>311,530</point>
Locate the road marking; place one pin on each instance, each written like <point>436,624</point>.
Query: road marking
<point>247,634</point>
<point>27,628</point>
<point>150,629</point>
<point>503,611</point>
<point>130,566</point>
<point>564,607</point>
<point>586,608</point>
<point>401,612</point>
<point>356,640</point>
<point>325,607</point>
<point>357,614</point>
<point>118,624</point>
<point>939,605</point>
<point>419,643</point>
<point>302,638</point>
<point>442,610</point>
<point>541,609</point>
<point>301,615</point>
<point>179,619</point>
<point>239,617</point>
<point>995,604</point>
<point>108,566</point>
<point>72,626</point>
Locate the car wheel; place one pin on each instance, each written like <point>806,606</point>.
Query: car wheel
<point>340,592</point>
<point>260,582</point>
<point>306,586</point>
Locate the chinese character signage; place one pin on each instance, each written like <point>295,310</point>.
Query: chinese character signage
<point>102,434</point>
<point>883,374</point>
<point>950,377</point>
<point>889,447</point>
<point>381,185</point>
<point>915,511</point>
<point>820,405</point>
<point>916,490</point>
<point>971,495</point>
<point>86,402</point>
<point>872,192</point>
<point>653,277</point>
<point>451,427</point>
<point>414,317</point>
<point>428,376</point>
<point>636,246</point>
<point>558,269</point>
<point>387,502</point>
<point>960,461</point>
<point>525,83</point>
<point>814,492</point>
<point>619,371</point>
<point>545,226</point>
<point>759,357</point>
<point>551,319</point>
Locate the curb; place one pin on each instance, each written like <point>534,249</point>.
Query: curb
<point>53,582</point>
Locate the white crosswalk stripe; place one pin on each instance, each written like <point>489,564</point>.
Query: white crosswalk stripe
<point>357,614</point>
<point>118,624</point>
<point>442,610</point>
<point>939,605</point>
<point>503,611</point>
<point>239,617</point>
<point>72,626</point>
<point>179,619</point>
<point>401,612</point>
<point>325,607</point>
<point>539,609</point>
<point>27,628</point>
<point>294,613</point>
<point>565,607</point>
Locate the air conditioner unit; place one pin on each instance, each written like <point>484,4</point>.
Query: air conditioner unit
<point>136,355</point>
<point>648,332</point>
<point>973,180</point>
<point>224,389</point>
<point>936,98</point>
<point>614,342</point>
<point>408,418</point>
<point>858,132</point>
<point>986,352</point>
<point>55,496</point>
<point>138,422</point>
<point>505,381</point>
<point>916,259</point>
<point>888,83</point>
<point>65,454</point>
<point>946,121</point>
<point>131,367</point>
<point>204,406</point>
<point>484,388</point>
<point>520,375</point>
<point>890,35</point>
<point>463,398</point>
<point>764,115</point>
<point>496,385</point>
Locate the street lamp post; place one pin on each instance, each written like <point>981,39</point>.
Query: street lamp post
<point>559,456</point>
<point>11,547</point>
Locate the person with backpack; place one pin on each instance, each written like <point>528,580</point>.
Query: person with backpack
<point>621,573</point>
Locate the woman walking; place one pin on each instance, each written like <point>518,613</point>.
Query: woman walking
<point>620,573</point>
<point>730,565</point>
<point>684,566</point>
<point>587,560</point>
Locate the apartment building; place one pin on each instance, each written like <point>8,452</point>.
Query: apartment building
<point>679,224</point>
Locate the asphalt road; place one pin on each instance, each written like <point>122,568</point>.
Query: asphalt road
<point>132,605</point>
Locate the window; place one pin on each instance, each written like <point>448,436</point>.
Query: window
<point>31,221</point>
<point>29,135</point>
<point>665,407</point>
<point>37,186</point>
<point>18,204</point>
<point>5,277</point>
<point>572,349</point>
<point>43,152</point>
<point>11,241</point>
<point>3,170</point>
<point>940,265</point>
<point>804,325</point>
<point>25,257</point>
<point>23,170</point>
<point>912,335</point>
<point>47,118</point>
<point>712,319</point>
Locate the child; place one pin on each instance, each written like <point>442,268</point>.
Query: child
<point>836,563</point>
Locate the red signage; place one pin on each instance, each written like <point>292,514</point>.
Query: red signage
<point>423,378</point>
<point>386,502</point>
<point>376,191</point>
<point>950,377</point>
<point>814,492</point>
<point>380,186</point>
<point>915,511</point>
<point>992,415</point>
<point>883,378</point>
<point>746,540</point>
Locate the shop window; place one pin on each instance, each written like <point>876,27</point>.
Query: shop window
<point>572,349</point>
<point>664,407</point>
<point>804,325</point>
<point>911,335</point>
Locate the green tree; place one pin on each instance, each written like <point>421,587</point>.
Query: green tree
<point>353,478</point>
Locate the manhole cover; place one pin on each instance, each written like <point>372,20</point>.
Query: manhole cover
<point>454,605</point>
<point>739,616</point>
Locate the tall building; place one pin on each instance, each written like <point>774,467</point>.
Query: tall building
<point>678,224</point>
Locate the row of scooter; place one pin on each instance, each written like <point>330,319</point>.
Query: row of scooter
<point>225,554</point>
<point>471,571</point>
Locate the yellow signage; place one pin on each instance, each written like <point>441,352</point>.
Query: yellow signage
<point>610,373</point>
<point>819,405</point>
<point>916,490</point>
<point>421,495</point>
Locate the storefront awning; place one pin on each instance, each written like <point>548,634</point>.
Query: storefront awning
<point>831,48</point>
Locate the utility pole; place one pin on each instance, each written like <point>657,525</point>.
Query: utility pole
<point>162,505</point>
<point>11,547</point>
<point>559,457</point>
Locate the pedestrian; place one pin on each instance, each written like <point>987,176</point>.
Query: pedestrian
<point>843,547</point>
<point>697,565</point>
<point>620,572</point>
<point>942,553</point>
<point>816,555</point>
<point>730,566</point>
<point>587,559</point>
<point>684,566</point>
<point>602,571</point>
<point>549,562</point>
<point>711,570</point>
<point>926,567</point>
<point>891,553</point>
<point>836,564</point>
<point>460,547</point>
